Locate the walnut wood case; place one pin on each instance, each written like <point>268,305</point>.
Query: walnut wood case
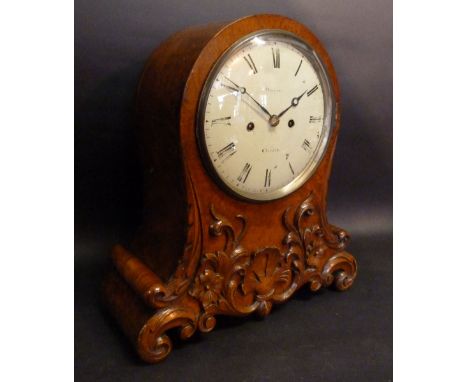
<point>202,252</point>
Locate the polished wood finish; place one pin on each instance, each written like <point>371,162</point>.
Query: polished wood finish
<point>202,252</point>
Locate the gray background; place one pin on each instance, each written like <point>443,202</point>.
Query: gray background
<point>329,336</point>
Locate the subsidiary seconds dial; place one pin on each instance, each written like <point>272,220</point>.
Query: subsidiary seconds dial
<point>265,116</point>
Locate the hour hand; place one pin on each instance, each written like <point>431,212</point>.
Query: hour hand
<point>294,103</point>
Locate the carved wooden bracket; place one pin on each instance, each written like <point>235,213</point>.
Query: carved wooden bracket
<point>235,280</point>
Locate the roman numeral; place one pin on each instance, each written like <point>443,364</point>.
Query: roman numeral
<point>227,151</point>
<point>218,121</point>
<point>267,182</point>
<point>312,90</point>
<point>244,173</point>
<point>290,166</point>
<point>276,57</point>
<point>297,71</point>
<point>306,145</point>
<point>251,64</point>
<point>314,119</point>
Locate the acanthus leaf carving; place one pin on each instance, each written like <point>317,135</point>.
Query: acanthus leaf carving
<point>238,282</point>
<point>235,281</point>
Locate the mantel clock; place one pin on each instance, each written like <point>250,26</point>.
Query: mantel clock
<point>238,124</point>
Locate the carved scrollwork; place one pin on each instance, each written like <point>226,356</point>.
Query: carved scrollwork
<point>153,343</point>
<point>340,270</point>
<point>216,285</point>
<point>305,244</point>
<point>235,281</point>
<point>238,282</point>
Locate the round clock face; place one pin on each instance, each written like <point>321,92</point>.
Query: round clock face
<point>266,116</point>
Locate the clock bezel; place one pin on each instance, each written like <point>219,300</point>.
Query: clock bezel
<point>329,116</point>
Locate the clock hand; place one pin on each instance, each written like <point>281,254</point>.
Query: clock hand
<point>294,103</point>
<point>232,82</point>
<point>230,87</point>
<point>242,90</point>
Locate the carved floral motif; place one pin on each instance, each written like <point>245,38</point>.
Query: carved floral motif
<point>235,281</point>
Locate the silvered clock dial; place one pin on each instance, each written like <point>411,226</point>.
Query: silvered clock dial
<point>265,116</point>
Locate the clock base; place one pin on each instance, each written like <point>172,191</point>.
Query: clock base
<point>231,281</point>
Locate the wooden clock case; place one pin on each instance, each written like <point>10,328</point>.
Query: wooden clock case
<point>202,252</point>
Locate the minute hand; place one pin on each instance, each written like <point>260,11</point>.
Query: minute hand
<point>242,90</point>
<point>294,103</point>
<point>258,103</point>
